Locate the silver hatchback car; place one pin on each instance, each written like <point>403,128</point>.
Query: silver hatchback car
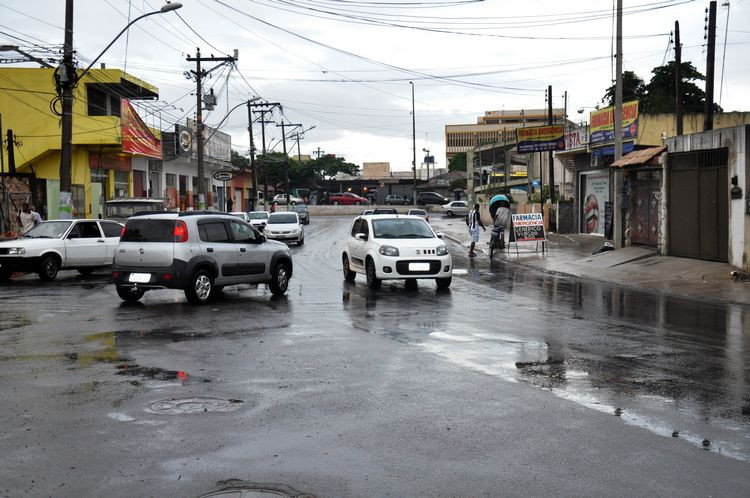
<point>199,252</point>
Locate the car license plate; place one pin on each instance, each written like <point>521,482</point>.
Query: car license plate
<point>139,278</point>
<point>419,266</point>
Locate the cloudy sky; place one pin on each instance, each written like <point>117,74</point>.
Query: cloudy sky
<point>344,66</point>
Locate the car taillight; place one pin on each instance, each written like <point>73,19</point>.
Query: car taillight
<point>180,231</point>
<point>122,234</point>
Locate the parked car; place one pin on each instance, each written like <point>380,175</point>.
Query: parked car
<point>384,211</point>
<point>396,200</point>
<point>386,247</point>
<point>304,214</point>
<point>241,215</point>
<point>455,208</point>
<point>346,198</point>
<point>419,212</point>
<point>425,198</point>
<point>285,226</point>
<point>281,199</point>
<point>122,209</point>
<point>57,245</point>
<point>258,219</point>
<point>198,252</point>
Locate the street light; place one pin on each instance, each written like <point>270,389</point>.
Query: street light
<point>168,7</point>
<point>67,80</point>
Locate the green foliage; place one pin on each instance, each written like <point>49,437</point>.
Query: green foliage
<point>633,88</point>
<point>301,174</point>
<point>239,160</point>
<point>457,162</point>
<point>329,166</point>
<point>658,95</point>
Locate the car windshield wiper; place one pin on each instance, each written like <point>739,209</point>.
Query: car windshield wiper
<point>42,237</point>
<point>413,236</point>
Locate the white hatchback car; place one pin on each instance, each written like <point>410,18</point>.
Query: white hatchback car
<point>285,227</point>
<point>396,247</point>
<point>61,244</point>
<point>455,208</point>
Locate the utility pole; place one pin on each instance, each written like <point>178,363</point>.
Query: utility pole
<point>319,153</point>
<point>708,110</point>
<point>286,160</point>
<point>413,143</point>
<point>265,108</point>
<point>618,85</point>
<point>199,75</point>
<point>67,77</point>
<point>677,79</point>
<point>550,159</point>
<point>254,198</point>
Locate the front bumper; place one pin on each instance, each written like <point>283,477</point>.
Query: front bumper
<point>19,263</point>
<point>439,267</point>
<point>284,236</point>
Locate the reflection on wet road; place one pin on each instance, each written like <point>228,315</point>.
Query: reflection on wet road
<point>665,366</point>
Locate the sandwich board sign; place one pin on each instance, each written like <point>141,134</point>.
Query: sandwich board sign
<point>528,227</point>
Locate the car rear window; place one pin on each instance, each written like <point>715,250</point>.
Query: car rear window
<point>148,231</point>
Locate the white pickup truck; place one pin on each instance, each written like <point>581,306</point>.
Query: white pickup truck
<point>61,244</point>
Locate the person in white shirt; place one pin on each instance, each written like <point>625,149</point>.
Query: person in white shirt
<point>26,218</point>
<point>474,221</point>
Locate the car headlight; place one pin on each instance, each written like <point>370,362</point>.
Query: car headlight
<point>17,250</point>
<point>441,251</point>
<point>388,251</point>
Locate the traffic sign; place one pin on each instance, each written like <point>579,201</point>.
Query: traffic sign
<point>224,176</point>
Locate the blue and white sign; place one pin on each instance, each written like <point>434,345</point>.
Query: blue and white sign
<point>535,183</point>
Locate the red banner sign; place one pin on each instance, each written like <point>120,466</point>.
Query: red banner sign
<point>136,137</point>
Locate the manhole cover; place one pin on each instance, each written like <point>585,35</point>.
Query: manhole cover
<point>234,488</point>
<point>195,405</point>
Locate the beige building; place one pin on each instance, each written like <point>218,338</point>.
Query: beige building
<point>493,126</point>
<point>376,171</point>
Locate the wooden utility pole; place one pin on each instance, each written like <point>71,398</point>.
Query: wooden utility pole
<point>618,85</point>
<point>67,79</point>
<point>708,110</point>
<point>550,158</point>
<point>677,79</point>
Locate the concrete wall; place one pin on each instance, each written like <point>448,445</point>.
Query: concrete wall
<point>736,140</point>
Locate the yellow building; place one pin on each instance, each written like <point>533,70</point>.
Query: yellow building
<point>493,126</point>
<point>100,168</point>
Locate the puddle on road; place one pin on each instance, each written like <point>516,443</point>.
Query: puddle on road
<point>515,359</point>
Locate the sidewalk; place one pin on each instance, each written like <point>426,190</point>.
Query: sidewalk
<point>636,267</point>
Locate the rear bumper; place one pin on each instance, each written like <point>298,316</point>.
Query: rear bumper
<point>19,263</point>
<point>175,276</point>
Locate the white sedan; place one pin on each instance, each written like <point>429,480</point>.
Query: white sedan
<point>390,247</point>
<point>61,244</point>
<point>281,199</point>
<point>455,208</point>
<point>285,227</point>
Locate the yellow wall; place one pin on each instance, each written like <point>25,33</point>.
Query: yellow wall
<point>651,126</point>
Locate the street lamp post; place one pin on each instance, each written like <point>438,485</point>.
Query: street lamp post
<point>413,143</point>
<point>67,79</point>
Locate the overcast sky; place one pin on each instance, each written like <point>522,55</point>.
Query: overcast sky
<point>344,66</point>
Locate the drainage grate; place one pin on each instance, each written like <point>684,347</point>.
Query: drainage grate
<point>235,488</point>
<point>187,406</point>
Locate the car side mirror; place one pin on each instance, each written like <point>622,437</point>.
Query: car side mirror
<point>360,236</point>
<point>439,235</point>
<point>261,239</point>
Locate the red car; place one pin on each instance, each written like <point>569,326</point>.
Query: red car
<point>346,198</point>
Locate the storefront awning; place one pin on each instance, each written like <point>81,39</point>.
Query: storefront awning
<point>639,157</point>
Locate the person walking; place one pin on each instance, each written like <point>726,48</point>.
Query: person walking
<point>474,221</point>
<point>230,204</point>
<point>499,225</point>
<point>26,218</point>
<point>37,216</point>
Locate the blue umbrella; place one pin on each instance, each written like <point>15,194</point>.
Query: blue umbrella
<point>497,202</point>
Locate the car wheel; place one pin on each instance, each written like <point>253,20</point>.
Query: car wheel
<point>293,203</point>
<point>373,282</point>
<point>130,294</point>
<point>449,213</point>
<point>301,241</point>
<point>443,283</point>
<point>349,275</point>
<point>48,267</point>
<point>335,203</point>
<point>200,288</point>
<point>5,275</point>
<point>85,271</point>
<point>279,279</point>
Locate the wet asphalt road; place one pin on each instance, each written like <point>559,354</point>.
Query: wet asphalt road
<point>514,382</point>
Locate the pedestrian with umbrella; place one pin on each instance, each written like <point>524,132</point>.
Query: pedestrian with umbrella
<point>500,213</point>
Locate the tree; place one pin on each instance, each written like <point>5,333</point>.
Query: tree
<point>457,162</point>
<point>272,166</point>
<point>240,161</point>
<point>633,88</point>
<point>660,91</point>
<point>329,166</point>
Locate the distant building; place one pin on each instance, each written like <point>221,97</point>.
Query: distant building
<point>494,126</point>
<point>376,171</point>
